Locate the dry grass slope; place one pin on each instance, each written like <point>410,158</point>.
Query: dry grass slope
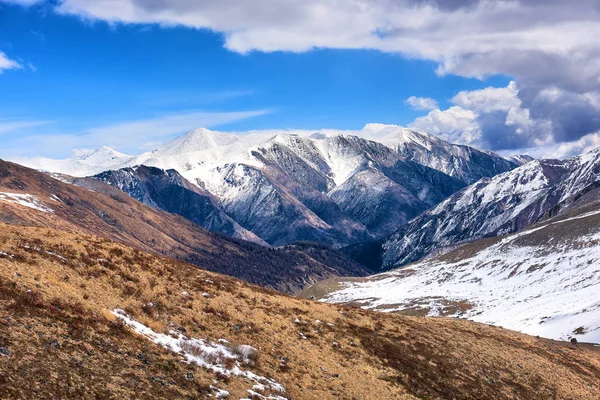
<point>56,289</point>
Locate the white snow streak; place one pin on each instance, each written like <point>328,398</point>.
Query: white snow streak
<point>209,355</point>
<point>26,200</point>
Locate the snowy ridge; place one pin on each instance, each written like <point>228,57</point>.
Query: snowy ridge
<point>540,282</point>
<point>463,162</point>
<point>196,140</point>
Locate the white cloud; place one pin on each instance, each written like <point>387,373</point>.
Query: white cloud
<point>8,126</point>
<point>569,149</point>
<point>490,118</point>
<point>489,99</point>
<point>455,124</point>
<point>7,63</point>
<point>129,136</point>
<point>470,38</point>
<point>422,103</point>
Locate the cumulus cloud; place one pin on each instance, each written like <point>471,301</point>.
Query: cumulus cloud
<point>544,122</point>
<point>422,103</point>
<point>7,63</point>
<point>569,149</point>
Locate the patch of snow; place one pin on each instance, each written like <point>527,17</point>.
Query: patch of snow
<point>209,355</point>
<point>219,393</point>
<point>39,250</point>
<point>26,200</point>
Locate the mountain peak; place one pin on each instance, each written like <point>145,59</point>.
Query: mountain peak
<point>197,140</point>
<point>104,154</point>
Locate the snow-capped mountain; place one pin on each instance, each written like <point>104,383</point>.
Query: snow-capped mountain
<point>168,191</point>
<point>542,281</point>
<point>462,162</point>
<point>196,140</point>
<point>330,188</point>
<point>496,206</point>
<point>334,187</point>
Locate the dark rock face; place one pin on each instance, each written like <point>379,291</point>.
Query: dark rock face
<point>491,207</point>
<point>381,193</point>
<point>169,191</point>
<point>261,204</point>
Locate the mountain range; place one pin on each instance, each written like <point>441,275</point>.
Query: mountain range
<point>504,204</point>
<point>333,187</point>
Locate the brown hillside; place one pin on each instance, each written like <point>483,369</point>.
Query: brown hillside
<point>108,212</point>
<point>58,338</point>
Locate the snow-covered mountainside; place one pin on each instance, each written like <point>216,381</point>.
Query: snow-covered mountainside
<point>196,140</point>
<point>334,187</point>
<point>491,207</point>
<point>462,162</point>
<point>169,191</point>
<point>542,281</point>
<point>324,188</point>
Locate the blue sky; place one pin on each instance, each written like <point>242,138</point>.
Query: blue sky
<point>81,73</point>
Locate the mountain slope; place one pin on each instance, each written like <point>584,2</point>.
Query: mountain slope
<point>542,281</point>
<point>287,187</point>
<point>169,191</point>
<point>462,162</point>
<point>28,197</point>
<point>83,317</point>
<point>503,204</point>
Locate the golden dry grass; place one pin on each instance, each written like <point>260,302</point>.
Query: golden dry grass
<point>65,344</point>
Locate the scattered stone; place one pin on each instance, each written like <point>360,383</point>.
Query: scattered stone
<point>4,351</point>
